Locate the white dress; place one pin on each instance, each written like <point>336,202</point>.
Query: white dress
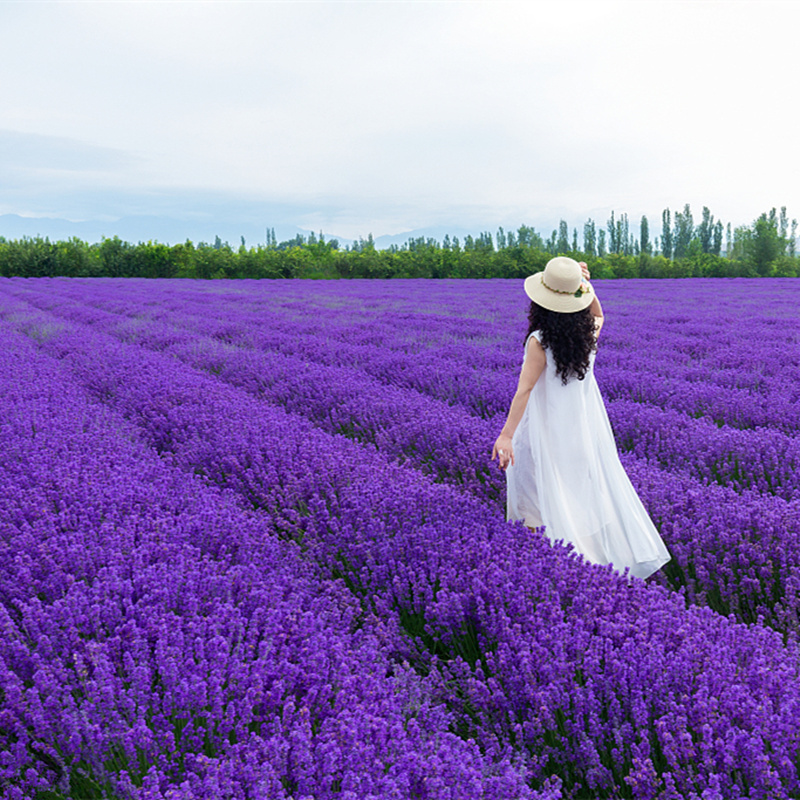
<point>568,477</point>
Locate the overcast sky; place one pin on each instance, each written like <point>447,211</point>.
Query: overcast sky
<point>384,117</point>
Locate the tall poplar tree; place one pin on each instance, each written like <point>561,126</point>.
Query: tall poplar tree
<point>644,236</point>
<point>684,231</point>
<point>705,231</point>
<point>563,237</point>
<point>666,233</point>
<point>589,238</point>
<point>613,242</point>
<point>783,228</point>
<point>717,248</point>
<point>624,241</point>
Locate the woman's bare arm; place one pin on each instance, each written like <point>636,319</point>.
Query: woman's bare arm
<point>597,310</point>
<point>533,367</point>
<point>595,307</point>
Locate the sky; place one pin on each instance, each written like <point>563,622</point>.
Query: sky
<point>353,118</point>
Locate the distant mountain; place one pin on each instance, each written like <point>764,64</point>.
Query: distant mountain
<point>438,233</point>
<point>143,229</point>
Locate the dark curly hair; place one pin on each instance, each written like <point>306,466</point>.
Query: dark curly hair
<point>570,337</point>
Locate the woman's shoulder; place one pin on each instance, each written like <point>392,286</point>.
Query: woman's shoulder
<point>534,340</point>
<point>533,335</point>
<point>534,343</point>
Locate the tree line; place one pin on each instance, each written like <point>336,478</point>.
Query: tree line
<point>684,249</point>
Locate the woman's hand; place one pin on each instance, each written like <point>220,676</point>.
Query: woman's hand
<point>584,270</point>
<point>503,450</point>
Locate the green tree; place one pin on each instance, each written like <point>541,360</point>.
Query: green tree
<point>298,241</point>
<point>562,245</point>
<point>528,237</point>
<point>75,259</point>
<point>666,233</point>
<point>484,242</point>
<point>684,232</point>
<point>613,230</point>
<point>766,243</point>
<point>622,266</point>
<point>210,261</point>
<point>624,239</point>
<point>717,246</point>
<point>740,248</point>
<point>784,266</point>
<point>589,238</point>
<point>114,257</point>
<point>783,229</point>
<point>705,231</point>
<point>644,236</point>
<point>39,257</point>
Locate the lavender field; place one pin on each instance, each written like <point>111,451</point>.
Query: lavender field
<point>252,546</point>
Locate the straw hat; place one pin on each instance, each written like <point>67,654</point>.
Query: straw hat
<point>560,287</point>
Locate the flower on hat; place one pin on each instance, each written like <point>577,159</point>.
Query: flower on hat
<point>582,289</point>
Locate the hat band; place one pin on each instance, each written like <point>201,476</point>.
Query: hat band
<point>578,293</point>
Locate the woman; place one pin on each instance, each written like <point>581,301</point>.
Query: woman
<point>557,447</point>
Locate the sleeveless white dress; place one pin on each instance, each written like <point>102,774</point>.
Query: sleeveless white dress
<point>568,477</point>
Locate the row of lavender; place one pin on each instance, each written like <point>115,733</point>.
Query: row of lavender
<point>613,686</point>
<point>733,546</point>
